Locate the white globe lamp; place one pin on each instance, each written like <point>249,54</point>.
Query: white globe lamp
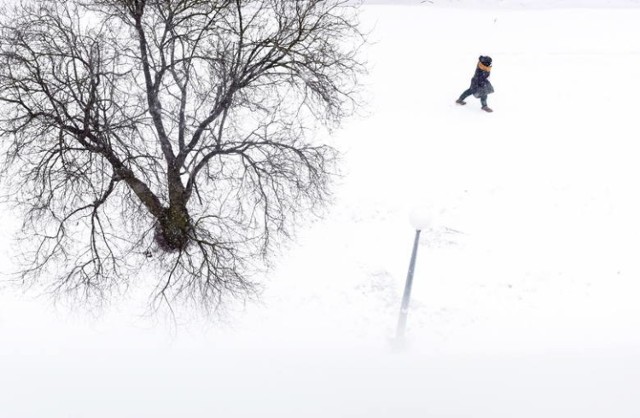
<point>421,218</point>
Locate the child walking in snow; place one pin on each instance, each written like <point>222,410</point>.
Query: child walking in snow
<point>480,85</point>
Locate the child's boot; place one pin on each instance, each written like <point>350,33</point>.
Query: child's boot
<point>487,109</point>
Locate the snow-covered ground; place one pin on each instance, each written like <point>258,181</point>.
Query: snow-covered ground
<point>525,292</point>
<point>509,4</point>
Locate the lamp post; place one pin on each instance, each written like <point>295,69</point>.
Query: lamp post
<point>420,220</point>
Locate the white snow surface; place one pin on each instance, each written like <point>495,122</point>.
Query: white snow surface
<point>525,298</point>
<point>508,4</point>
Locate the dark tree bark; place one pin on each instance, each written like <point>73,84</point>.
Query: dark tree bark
<point>174,136</point>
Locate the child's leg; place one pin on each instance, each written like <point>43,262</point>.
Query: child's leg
<point>483,100</point>
<point>468,92</point>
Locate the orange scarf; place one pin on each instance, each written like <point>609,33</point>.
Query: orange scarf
<point>484,67</point>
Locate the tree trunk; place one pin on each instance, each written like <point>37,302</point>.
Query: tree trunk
<point>173,228</point>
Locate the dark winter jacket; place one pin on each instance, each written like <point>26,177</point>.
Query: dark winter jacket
<point>480,83</point>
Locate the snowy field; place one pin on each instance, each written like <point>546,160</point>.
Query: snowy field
<point>525,302</point>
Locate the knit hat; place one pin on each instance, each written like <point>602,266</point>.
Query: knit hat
<point>485,60</point>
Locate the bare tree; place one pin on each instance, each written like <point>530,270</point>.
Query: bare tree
<point>174,136</point>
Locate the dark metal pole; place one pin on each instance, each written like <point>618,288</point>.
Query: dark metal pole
<point>404,309</point>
